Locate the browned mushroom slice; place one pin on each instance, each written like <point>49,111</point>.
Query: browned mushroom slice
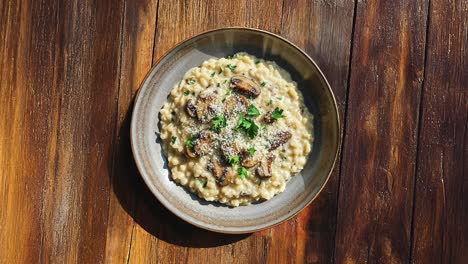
<point>205,107</point>
<point>279,139</point>
<point>245,85</point>
<point>229,176</point>
<point>268,118</point>
<point>248,160</point>
<point>229,149</point>
<point>216,168</point>
<point>264,170</point>
<point>204,144</point>
<point>236,104</point>
<point>190,108</point>
<point>190,152</point>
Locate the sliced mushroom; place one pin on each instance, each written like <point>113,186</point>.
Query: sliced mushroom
<point>204,144</point>
<point>190,152</point>
<point>248,160</point>
<point>264,170</point>
<point>245,85</point>
<point>191,108</point>
<point>216,168</point>
<point>268,118</point>
<point>279,139</point>
<point>229,176</point>
<point>236,104</point>
<point>229,149</point>
<point>205,107</point>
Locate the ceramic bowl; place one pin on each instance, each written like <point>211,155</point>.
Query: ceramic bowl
<point>301,189</point>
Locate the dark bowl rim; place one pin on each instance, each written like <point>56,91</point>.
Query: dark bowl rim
<point>197,36</point>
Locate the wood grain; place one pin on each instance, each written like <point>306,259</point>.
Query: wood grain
<point>441,199</point>
<point>375,204</point>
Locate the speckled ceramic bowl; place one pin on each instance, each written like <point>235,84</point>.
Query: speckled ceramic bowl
<point>301,188</point>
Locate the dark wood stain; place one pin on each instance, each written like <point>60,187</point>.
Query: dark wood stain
<point>70,192</point>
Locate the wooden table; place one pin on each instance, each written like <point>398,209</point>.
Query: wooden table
<point>69,189</point>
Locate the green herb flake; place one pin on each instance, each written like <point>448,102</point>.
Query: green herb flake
<point>253,111</point>
<point>173,139</point>
<point>231,67</point>
<point>277,113</point>
<point>224,100</point>
<point>233,160</point>
<point>218,85</point>
<point>243,172</point>
<point>191,82</point>
<point>257,61</point>
<point>230,57</point>
<point>190,142</point>
<point>248,125</point>
<point>219,122</point>
<point>263,84</point>
<point>270,102</point>
<point>252,151</point>
<point>279,98</point>
<point>212,74</point>
<point>186,93</point>
<point>225,81</point>
<point>220,71</point>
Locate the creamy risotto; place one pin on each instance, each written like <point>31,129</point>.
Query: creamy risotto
<point>235,130</point>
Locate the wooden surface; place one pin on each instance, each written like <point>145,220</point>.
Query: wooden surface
<point>70,191</point>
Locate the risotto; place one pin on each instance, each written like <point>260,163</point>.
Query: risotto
<point>235,130</point>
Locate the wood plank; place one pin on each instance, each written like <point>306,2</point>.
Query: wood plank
<point>441,199</point>
<point>58,104</point>
<point>137,51</point>
<point>323,30</point>
<point>160,236</point>
<point>376,188</point>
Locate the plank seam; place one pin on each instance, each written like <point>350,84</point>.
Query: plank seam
<point>345,114</point>
<point>419,122</point>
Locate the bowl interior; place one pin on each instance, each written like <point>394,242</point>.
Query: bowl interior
<point>301,188</point>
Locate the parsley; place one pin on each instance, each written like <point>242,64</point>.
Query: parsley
<point>225,81</point>
<point>252,151</point>
<point>233,160</point>
<point>277,113</point>
<point>186,93</point>
<point>191,82</point>
<point>230,57</point>
<point>248,125</point>
<point>257,61</point>
<point>263,84</point>
<point>231,67</point>
<point>173,139</point>
<point>253,111</point>
<point>220,71</point>
<point>212,74</point>
<point>243,173</point>
<point>224,100</point>
<point>218,85</point>
<point>190,141</point>
<point>279,98</point>
<point>218,123</point>
<point>270,102</point>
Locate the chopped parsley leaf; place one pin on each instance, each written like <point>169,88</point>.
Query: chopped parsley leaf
<point>219,122</point>
<point>224,100</point>
<point>263,84</point>
<point>252,151</point>
<point>218,85</point>
<point>243,173</point>
<point>257,61</point>
<point>231,67</point>
<point>186,93</point>
<point>191,82</point>
<point>212,74</point>
<point>173,139</point>
<point>225,81</point>
<point>277,113</point>
<point>279,98</point>
<point>233,160</point>
<point>220,71</point>
<point>248,125</point>
<point>230,57</point>
<point>190,141</point>
<point>253,111</point>
<point>270,102</point>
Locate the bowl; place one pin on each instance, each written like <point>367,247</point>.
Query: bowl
<point>301,189</point>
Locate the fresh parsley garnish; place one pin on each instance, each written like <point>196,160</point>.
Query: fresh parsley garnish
<point>257,61</point>
<point>231,67</point>
<point>186,93</point>
<point>219,122</point>
<point>218,85</point>
<point>191,82</point>
<point>233,160</point>
<point>277,113</point>
<point>230,57</point>
<point>212,74</point>
<point>263,84</point>
<point>173,139</point>
<point>190,142</point>
<point>253,111</point>
<point>220,71</point>
<point>225,81</point>
<point>279,98</point>
<point>243,172</point>
<point>270,102</point>
<point>252,151</point>
<point>248,125</point>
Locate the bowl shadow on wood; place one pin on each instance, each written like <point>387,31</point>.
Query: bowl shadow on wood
<point>138,201</point>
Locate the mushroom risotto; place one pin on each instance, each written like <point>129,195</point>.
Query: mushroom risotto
<point>235,130</point>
